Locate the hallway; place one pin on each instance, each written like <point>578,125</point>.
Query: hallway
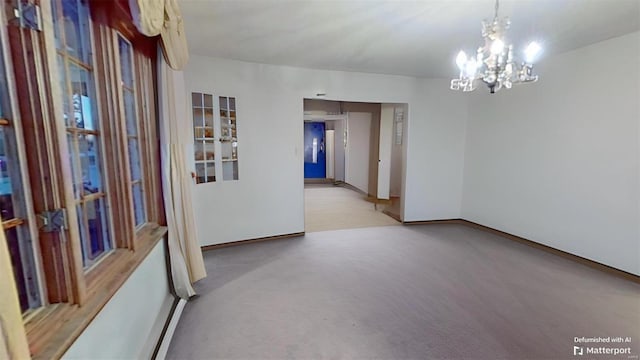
<point>329,207</point>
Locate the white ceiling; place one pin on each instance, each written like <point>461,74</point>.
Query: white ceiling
<point>416,38</point>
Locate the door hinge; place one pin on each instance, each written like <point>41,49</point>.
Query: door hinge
<point>52,220</point>
<point>26,15</point>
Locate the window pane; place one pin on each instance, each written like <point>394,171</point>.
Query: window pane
<point>125,62</point>
<point>76,29</point>
<point>97,243</point>
<point>82,104</point>
<point>208,119</point>
<point>198,118</point>
<point>75,173</point>
<point>196,99</point>
<point>6,189</point>
<point>24,268</point>
<point>138,204</point>
<point>200,173</point>
<point>130,113</point>
<point>134,160</point>
<point>65,97</point>
<point>90,163</point>
<point>208,100</point>
<point>16,262</point>
<point>211,172</point>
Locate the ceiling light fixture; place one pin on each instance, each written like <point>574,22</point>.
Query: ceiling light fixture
<point>494,63</point>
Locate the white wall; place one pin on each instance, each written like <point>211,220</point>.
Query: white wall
<point>130,324</point>
<point>435,140</point>
<point>268,198</point>
<point>558,161</point>
<point>358,146</point>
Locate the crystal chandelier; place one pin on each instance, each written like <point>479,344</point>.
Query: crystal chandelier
<point>494,63</point>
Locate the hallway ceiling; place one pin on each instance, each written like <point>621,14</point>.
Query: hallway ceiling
<point>415,38</point>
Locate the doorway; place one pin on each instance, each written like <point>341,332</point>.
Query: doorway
<point>315,159</point>
<point>349,165</point>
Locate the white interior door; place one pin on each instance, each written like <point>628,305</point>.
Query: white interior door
<point>357,154</point>
<point>384,154</point>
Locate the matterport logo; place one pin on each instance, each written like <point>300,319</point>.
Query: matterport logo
<point>603,346</point>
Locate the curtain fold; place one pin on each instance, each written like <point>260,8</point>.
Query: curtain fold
<point>174,39</point>
<point>148,15</point>
<point>164,18</point>
<point>187,265</point>
<point>13,339</point>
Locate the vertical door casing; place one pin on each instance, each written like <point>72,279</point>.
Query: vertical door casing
<point>331,154</point>
<point>384,155</point>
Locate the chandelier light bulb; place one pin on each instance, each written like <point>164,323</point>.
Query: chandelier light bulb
<point>461,60</point>
<point>497,46</point>
<point>471,68</point>
<point>532,51</point>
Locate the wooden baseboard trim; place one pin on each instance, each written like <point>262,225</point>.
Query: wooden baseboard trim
<point>579,259</point>
<point>392,215</point>
<point>313,181</point>
<point>251,241</point>
<point>575,258</point>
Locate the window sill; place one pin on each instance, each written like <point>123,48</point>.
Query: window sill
<point>54,328</point>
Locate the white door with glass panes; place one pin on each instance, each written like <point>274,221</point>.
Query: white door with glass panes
<point>215,137</point>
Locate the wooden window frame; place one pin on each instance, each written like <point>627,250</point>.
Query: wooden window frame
<point>140,136</point>
<point>75,295</point>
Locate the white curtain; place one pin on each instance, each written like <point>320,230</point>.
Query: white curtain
<point>148,15</point>
<point>164,18</point>
<point>13,340</point>
<point>187,265</point>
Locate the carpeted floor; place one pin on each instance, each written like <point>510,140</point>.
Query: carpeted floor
<point>401,292</point>
<point>328,207</point>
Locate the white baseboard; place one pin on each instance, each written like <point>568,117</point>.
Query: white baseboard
<point>171,328</point>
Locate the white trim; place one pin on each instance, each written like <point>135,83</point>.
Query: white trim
<point>318,117</point>
<point>171,328</point>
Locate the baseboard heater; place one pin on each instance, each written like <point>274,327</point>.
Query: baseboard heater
<point>162,347</point>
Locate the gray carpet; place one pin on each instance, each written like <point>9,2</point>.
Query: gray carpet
<point>399,292</point>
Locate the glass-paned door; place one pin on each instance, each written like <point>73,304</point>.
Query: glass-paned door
<point>204,137</point>
<point>229,139</point>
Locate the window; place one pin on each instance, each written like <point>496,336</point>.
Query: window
<point>13,205</point>
<point>84,135</point>
<point>132,130</point>
<point>83,206</point>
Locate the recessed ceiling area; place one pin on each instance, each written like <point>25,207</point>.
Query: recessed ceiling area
<point>414,38</point>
